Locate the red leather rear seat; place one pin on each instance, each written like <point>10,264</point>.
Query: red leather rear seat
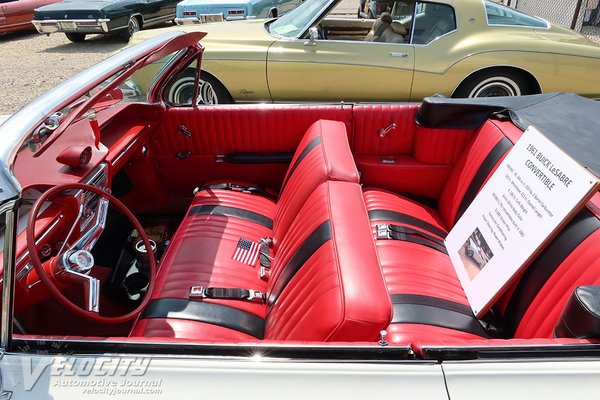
<point>326,284</point>
<point>430,307</point>
<point>428,298</point>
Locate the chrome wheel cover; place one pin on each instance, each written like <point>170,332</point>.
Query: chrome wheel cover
<point>496,86</point>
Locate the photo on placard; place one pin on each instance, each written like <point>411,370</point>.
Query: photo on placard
<point>475,253</point>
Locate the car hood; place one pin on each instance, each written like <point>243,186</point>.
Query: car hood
<point>245,40</point>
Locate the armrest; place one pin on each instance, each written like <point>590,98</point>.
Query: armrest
<point>580,317</point>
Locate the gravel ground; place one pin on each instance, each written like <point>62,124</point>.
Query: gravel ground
<point>31,63</point>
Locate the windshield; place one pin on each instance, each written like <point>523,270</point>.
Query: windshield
<point>294,23</point>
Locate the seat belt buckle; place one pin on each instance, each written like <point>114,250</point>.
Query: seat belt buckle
<point>197,292</point>
<point>256,295</point>
<point>264,273</point>
<point>383,231</point>
<point>268,241</point>
<point>238,188</point>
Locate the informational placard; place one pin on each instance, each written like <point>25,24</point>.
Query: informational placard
<point>535,188</point>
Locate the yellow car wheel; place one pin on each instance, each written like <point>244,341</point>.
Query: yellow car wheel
<point>211,91</point>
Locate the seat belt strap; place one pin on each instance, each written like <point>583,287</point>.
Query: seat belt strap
<point>236,188</point>
<point>265,257</point>
<point>226,293</point>
<point>406,234</point>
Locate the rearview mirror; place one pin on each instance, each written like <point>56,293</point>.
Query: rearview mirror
<point>313,35</point>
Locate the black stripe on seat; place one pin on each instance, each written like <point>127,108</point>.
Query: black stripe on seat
<point>312,243</point>
<point>541,269</point>
<point>482,173</point>
<point>233,212</point>
<point>419,240</point>
<point>427,310</point>
<point>311,145</point>
<point>401,218</point>
<point>210,313</point>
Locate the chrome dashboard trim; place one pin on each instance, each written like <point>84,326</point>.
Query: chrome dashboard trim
<point>133,143</point>
<point>99,172</point>
<point>21,274</point>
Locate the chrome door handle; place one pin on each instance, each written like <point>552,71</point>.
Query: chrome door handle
<point>395,54</point>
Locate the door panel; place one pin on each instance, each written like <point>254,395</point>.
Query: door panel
<point>340,70</point>
<point>225,130</point>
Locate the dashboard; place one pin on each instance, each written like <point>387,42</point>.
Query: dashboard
<point>77,219</point>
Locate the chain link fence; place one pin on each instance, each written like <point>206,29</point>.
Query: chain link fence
<point>580,15</point>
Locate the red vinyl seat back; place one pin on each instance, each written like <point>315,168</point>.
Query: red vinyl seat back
<point>326,283</point>
<point>464,182</point>
<point>572,259</point>
<point>323,154</point>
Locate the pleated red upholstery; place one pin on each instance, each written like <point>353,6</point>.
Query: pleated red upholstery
<point>415,269</point>
<point>330,160</point>
<point>339,294</point>
<point>409,158</point>
<point>202,248</point>
<point>465,169</point>
<point>232,129</point>
<point>377,199</point>
<point>323,300</point>
<point>440,146</point>
<point>368,119</point>
<point>581,267</point>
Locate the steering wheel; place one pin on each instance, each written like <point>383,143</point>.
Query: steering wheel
<point>73,263</point>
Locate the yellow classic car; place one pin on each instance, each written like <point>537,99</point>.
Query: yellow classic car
<point>459,48</point>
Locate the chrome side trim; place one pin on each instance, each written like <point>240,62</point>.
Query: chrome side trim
<point>340,63</point>
<point>10,241</point>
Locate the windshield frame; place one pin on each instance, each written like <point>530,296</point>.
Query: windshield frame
<point>19,127</point>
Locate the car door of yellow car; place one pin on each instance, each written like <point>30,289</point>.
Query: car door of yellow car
<point>339,70</point>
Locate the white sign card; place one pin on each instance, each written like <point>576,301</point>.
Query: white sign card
<point>535,188</point>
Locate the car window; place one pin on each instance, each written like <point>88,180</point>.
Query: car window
<point>403,10</point>
<point>393,25</point>
<point>498,14</point>
<point>137,86</point>
<point>432,20</point>
<point>296,21</point>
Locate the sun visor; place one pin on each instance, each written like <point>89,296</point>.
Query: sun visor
<point>567,119</point>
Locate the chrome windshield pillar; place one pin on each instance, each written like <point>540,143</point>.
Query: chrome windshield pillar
<point>10,211</point>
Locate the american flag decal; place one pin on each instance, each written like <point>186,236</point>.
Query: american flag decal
<point>247,251</point>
